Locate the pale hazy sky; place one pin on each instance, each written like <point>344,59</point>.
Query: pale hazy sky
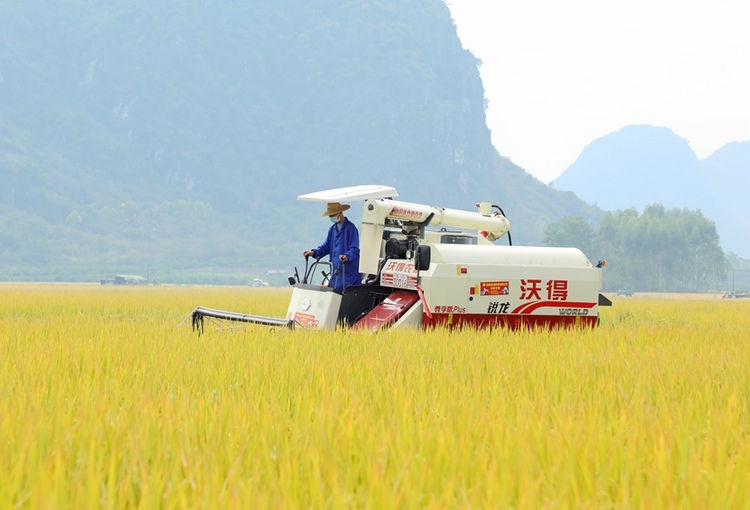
<point>560,74</point>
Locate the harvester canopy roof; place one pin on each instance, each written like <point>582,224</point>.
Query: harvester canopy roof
<point>351,193</point>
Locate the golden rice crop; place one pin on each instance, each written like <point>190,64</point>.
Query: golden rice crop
<point>104,402</point>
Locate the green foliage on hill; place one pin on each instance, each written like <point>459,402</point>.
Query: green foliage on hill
<point>660,250</point>
<point>173,139</point>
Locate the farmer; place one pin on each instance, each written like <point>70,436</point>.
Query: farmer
<point>342,244</point>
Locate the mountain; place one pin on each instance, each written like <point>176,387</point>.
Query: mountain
<point>174,138</point>
<point>641,165</point>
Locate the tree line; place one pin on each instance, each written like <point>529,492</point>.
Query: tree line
<point>660,250</point>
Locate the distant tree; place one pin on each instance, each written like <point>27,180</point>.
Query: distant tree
<point>661,250</point>
<point>572,231</point>
<point>738,279</point>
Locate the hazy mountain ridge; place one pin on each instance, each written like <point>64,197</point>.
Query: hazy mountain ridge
<point>138,134</point>
<point>177,101</point>
<point>641,165</point>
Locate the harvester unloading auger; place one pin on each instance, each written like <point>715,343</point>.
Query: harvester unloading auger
<point>425,266</point>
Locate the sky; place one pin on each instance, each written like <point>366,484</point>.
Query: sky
<point>559,75</point>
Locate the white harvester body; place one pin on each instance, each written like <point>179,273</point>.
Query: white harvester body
<point>425,266</point>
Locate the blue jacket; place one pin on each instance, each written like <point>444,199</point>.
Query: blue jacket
<point>342,241</point>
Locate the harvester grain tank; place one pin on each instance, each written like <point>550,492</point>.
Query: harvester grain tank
<point>424,266</point>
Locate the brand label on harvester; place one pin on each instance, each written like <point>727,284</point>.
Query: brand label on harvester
<point>494,288</point>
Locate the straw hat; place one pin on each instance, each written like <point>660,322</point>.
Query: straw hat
<point>335,208</point>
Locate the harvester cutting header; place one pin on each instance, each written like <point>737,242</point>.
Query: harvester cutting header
<point>426,266</point>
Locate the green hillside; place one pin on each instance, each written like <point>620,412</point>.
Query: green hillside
<point>172,139</point>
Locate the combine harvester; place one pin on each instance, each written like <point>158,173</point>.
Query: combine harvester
<point>425,266</point>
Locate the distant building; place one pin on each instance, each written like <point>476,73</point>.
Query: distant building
<point>124,279</point>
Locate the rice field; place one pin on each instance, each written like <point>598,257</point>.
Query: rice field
<point>106,403</point>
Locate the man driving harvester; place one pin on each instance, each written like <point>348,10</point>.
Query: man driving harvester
<point>342,244</point>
